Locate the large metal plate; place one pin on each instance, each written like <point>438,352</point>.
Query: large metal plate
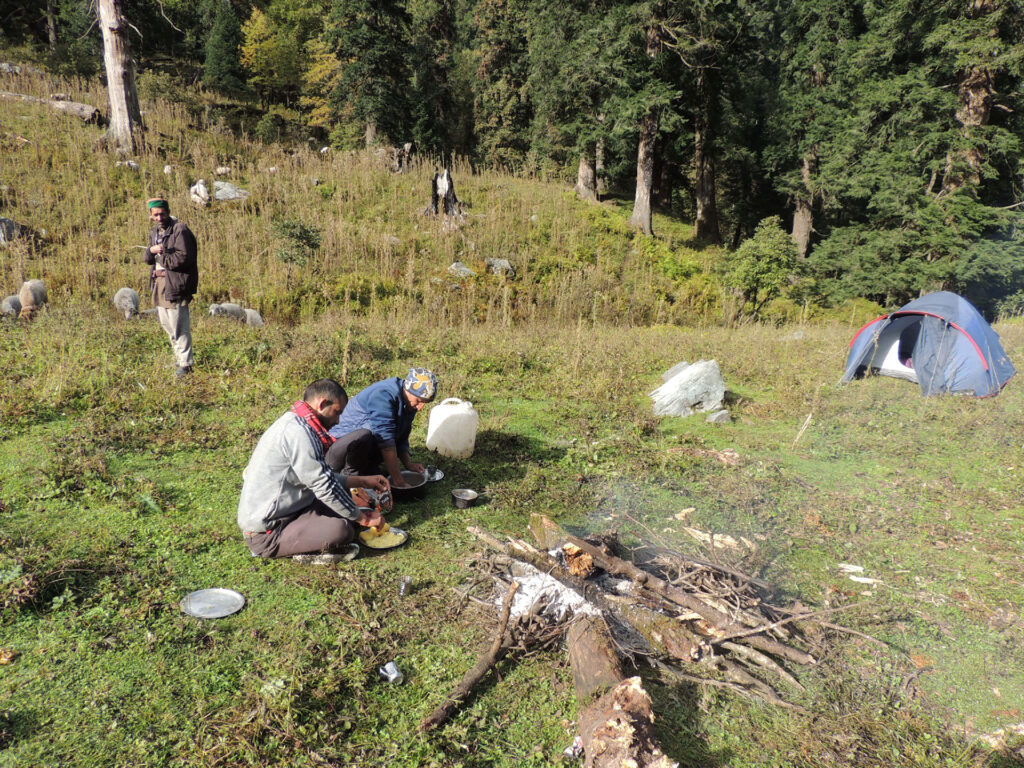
<point>212,603</point>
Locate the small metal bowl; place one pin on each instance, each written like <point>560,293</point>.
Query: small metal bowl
<point>464,497</point>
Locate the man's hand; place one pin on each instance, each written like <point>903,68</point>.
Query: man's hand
<point>414,467</point>
<point>377,483</point>
<point>372,518</point>
<point>155,249</point>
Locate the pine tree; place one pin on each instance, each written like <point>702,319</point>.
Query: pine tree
<point>222,70</point>
<point>370,98</point>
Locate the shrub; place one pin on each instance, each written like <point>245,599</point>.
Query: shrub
<point>762,266</point>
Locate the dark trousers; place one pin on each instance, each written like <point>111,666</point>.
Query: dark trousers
<point>316,529</point>
<point>356,453</point>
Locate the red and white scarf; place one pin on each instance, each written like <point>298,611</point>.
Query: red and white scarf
<point>303,411</point>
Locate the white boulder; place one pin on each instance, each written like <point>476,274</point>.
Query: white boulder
<point>697,387</point>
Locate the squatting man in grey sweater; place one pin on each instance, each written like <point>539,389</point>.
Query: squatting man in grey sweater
<point>292,503</point>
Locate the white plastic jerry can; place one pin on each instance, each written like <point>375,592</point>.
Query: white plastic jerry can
<point>451,430</point>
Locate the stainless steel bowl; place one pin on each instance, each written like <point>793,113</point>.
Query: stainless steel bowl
<point>464,497</point>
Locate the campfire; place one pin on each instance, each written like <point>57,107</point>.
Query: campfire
<point>706,623</point>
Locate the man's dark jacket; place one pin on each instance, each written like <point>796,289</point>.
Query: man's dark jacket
<point>178,259</point>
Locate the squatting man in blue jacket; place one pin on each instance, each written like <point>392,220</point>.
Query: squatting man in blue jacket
<point>375,425</point>
<point>292,502</point>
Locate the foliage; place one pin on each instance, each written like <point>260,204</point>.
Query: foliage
<point>762,266</point>
<point>222,69</point>
<point>369,95</point>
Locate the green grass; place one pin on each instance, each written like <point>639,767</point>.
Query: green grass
<point>118,484</point>
<point>119,499</point>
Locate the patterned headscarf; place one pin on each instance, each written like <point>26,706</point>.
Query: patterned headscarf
<point>422,383</point>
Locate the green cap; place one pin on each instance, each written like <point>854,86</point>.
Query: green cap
<point>158,202</point>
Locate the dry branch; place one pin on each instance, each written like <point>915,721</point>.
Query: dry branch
<point>83,112</point>
<point>498,648</point>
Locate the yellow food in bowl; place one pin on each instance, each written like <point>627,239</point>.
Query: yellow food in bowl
<point>382,539</point>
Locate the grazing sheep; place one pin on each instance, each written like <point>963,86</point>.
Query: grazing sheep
<point>228,310</point>
<point>127,301</point>
<point>32,297</point>
<point>199,194</point>
<point>10,306</point>
<point>252,317</point>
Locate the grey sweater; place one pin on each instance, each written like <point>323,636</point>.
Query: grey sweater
<point>285,474</point>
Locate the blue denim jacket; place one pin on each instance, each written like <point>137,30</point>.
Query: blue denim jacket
<point>383,410</point>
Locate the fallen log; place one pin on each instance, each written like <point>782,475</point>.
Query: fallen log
<point>592,657</point>
<point>618,730</point>
<point>84,112</point>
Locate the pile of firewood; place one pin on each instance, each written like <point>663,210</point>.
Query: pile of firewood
<point>703,622</point>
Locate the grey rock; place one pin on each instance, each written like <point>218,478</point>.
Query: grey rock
<point>10,230</point>
<point>222,170</point>
<point>698,387</point>
<point>127,301</point>
<point>675,369</point>
<point>719,417</point>
<point>225,190</point>
<point>131,164</point>
<point>501,267</point>
<point>252,318</point>
<point>168,170</point>
<point>458,269</point>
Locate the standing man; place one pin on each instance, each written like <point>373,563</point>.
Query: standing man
<point>173,278</point>
<point>292,503</point>
<point>375,425</point>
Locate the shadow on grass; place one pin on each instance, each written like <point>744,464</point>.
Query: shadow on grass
<point>498,458</point>
<point>16,725</point>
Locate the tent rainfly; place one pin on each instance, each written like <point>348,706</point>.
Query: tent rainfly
<point>940,341</point>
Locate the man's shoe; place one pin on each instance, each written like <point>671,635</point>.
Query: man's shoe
<point>349,552</point>
<point>182,371</point>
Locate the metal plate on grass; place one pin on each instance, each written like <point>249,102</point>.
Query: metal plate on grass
<point>434,474</point>
<point>212,603</point>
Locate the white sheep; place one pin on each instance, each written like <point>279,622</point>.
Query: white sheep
<point>252,317</point>
<point>127,301</point>
<point>199,194</point>
<point>228,310</point>
<point>32,296</point>
<point>10,306</point>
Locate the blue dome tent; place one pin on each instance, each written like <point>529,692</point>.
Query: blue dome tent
<point>940,341</point>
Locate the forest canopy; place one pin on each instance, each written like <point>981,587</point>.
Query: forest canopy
<point>886,138</point>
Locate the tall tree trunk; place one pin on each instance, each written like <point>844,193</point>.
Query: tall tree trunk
<point>803,216</point>
<point>705,227</point>
<point>649,123</point>
<point>641,218</point>
<point>602,185</point>
<point>51,23</point>
<point>976,94</point>
<point>125,115</point>
<point>586,180</point>
<point>371,133</point>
